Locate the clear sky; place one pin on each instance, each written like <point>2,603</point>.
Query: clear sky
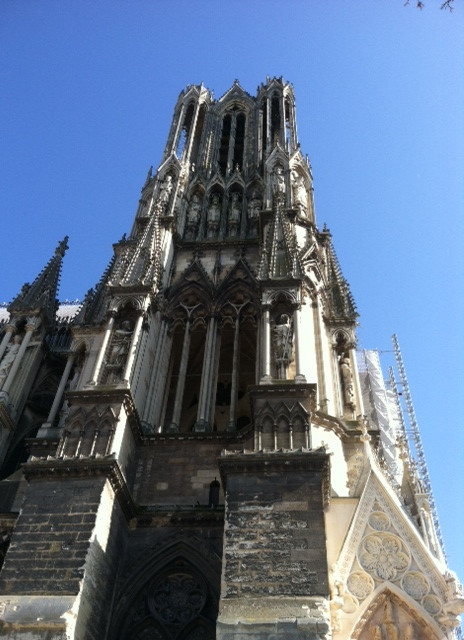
<point>87,94</point>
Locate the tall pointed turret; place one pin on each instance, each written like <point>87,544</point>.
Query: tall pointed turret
<point>41,295</point>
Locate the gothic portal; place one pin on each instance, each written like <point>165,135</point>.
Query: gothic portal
<point>197,450</point>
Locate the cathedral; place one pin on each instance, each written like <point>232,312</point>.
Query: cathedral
<point>198,450</point>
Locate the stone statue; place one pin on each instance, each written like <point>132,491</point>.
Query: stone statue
<point>119,350</point>
<point>9,357</point>
<point>214,215</point>
<point>254,206</point>
<point>278,182</point>
<point>165,192</point>
<point>300,197</point>
<point>347,379</point>
<point>409,632</point>
<point>282,338</point>
<point>193,213</point>
<point>376,632</point>
<point>235,209</point>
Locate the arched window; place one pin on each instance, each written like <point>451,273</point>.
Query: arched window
<point>239,141</point>
<point>275,120</point>
<point>185,130</point>
<point>288,125</point>
<point>224,146</point>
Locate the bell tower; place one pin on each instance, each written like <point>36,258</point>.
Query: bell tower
<point>214,461</point>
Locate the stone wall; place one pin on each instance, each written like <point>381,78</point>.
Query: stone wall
<point>274,560</point>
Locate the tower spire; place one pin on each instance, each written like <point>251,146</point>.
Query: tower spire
<point>41,295</point>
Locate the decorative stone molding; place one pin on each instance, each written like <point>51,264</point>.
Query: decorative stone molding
<point>360,584</point>
<point>384,556</point>
<point>379,521</point>
<point>415,584</point>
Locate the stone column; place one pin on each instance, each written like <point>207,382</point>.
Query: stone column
<point>59,394</point>
<point>32,324</point>
<point>10,330</point>
<point>266,345</point>
<point>158,340</point>
<point>268,126</point>
<point>133,347</point>
<point>299,376</point>
<point>101,354</point>
<point>192,130</point>
<point>178,131</point>
<point>283,132</point>
<point>357,386</point>
<point>235,371</point>
<point>203,422</point>
<point>174,426</point>
<point>162,368</point>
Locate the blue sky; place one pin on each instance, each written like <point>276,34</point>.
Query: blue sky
<point>87,94</point>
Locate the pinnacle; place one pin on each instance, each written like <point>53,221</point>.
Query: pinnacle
<point>41,295</point>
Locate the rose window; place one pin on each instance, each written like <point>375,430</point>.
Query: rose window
<point>384,556</point>
<point>177,598</point>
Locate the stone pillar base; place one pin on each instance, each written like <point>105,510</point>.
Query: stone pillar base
<point>26,617</point>
<point>272,618</point>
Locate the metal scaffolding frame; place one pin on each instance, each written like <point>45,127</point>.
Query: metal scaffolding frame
<point>415,436</point>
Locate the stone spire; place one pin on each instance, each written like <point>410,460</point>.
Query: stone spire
<point>93,308</point>
<point>342,305</point>
<point>41,295</point>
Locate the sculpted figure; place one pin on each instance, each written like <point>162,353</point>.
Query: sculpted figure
<point>193,214</point>
<point>235,209</point>
<point>119,349</point>
<point>121,343</point>
<point>254,206</point>
<point>165,192</point>
<point>299,193</point>
<point>9,357</point>
<point>214,215</point>
<point>347,379</point>
<point>282,341</point>
<point>376,632</point>
<point>278,182</point>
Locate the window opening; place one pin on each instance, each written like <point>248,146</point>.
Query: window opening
<point>288,129</point>
<point>275,121</point>
<point>224,148</point>
<point>198,132</point>
<point>239,142</point>
<point>185,131</point>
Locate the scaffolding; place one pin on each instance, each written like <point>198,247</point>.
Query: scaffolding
<point>414,436</point>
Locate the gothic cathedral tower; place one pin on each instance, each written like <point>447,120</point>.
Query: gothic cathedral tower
<point>204,456</point>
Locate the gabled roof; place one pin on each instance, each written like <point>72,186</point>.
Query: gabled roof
<point>236,91</point>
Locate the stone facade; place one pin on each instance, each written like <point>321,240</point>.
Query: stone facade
<point>191,451</point>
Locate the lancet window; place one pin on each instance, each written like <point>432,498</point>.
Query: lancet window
<point>288,125</point>
<point>212,363</point>
<point>275,120</point>
<point>185,130</point>
<point>224,146</point>
<point>232,144</point>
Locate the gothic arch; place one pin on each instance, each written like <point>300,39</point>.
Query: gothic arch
<point>389,608</point>
<point>170,596</point>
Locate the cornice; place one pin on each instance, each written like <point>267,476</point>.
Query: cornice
<point>281,461</point>
<point>84,468</point>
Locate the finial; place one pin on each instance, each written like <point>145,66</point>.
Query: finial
<point>62,247</point>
